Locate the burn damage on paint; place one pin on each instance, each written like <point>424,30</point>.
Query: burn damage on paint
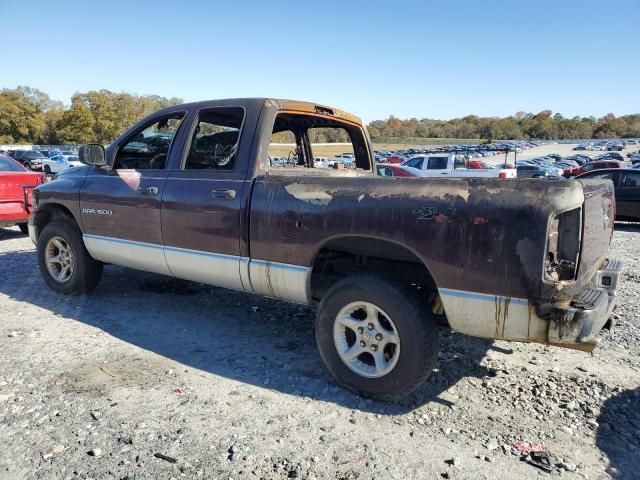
<point>515,259</point>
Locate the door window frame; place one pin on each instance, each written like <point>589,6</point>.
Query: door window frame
<point>155,119</point>
<point>239,167</point>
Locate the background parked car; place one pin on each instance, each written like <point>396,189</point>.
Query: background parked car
<point>31,159</point>
<point>59,163</point>
<point>526,170</point>
<point>627,190</point>
<point>588,167</point>
<point>14,179</point>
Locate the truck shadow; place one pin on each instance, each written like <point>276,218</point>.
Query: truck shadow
<point>618,434</point>
<point>244,337</point>
<point>627,227</point>
<point>10,233</point>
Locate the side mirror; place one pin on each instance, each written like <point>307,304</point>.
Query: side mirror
<point>93,154</point>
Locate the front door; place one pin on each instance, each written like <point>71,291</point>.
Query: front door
<point>120,206</point>
<point>202,202</point>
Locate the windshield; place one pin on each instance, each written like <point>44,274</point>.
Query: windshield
<point>8,165</point>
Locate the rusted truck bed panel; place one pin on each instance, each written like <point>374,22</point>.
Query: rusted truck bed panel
<point>474,235</point>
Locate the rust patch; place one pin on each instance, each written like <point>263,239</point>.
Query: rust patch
<point>502,312</point>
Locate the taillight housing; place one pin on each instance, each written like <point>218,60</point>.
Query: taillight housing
<point>564,240</point>
<point>502,175</point>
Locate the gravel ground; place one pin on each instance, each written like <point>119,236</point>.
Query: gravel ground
<point>152,378</point>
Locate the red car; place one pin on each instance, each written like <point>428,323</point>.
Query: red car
<point>395,159</point>
<point>387,170</point>
<point>479,165</point>
<point>588,167</point>
<point>16,184</point>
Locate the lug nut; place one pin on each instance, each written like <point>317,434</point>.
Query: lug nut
<point>362,344</point>
<point>374,348</point>
<point>370,326</point>
<point>378,336</point>
<point>361,329</point>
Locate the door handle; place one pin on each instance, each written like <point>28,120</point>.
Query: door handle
<point>223,194</point>
<point>148,190</point>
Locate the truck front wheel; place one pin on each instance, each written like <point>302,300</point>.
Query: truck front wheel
<point>376,337</point>
<point>64,262</point>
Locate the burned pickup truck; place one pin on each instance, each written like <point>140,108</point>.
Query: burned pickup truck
<point>192,192</point>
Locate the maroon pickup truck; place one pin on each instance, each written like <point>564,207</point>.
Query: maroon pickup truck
<point>202,192</point>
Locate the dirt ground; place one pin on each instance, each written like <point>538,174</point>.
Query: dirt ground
<point>152,378</point>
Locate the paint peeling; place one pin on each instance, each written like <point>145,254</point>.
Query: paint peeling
<point>309,194</point>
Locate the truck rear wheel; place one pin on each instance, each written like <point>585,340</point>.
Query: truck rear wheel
<point>64,262</point>
<point>376,337</point>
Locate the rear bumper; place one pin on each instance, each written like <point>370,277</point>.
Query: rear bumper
<point>577,323</point>
<point>12,213</point>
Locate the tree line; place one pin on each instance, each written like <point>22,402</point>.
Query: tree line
<point>28,115</point>
<point>541,126</point>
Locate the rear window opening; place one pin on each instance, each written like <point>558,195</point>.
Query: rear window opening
<point>303,141</point>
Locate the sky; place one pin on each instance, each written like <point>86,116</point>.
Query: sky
<point>419,59</point>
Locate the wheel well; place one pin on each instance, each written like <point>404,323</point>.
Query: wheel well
<point>50,213</point>
<point>348,255</point>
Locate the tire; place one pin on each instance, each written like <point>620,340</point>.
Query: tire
<point>418,345</point>
<point>27,165</point>
<point>24,228</point>
<point>85,272</point>
<point>47,169</point>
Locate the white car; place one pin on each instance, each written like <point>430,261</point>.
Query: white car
<point>321,162</point>
<point>59,163</point>
<point>451,166</point>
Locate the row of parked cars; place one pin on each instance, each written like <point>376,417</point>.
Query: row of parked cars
<point>610,146</point>
<point>47,161</point>
<point>467,151</point>
<point>610,165</point>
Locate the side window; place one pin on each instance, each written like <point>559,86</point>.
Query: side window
<point>214,143</point>
<point>437,163</point>
<point>308,141</point>
<point>630,180</point>
<point>149,147</point>
<point>588,167</point>
<point>385,172</point>
<point>607,175</point>
<point>334,143</point>
<point>283,150</point>
<point>415,162</point>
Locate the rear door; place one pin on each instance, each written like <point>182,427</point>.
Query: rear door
<point>120,206</point>
<point>628,195</point>
<point>437,166</point>
<point>203,200</point>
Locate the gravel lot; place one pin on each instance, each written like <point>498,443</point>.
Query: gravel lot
<point>151,378</point>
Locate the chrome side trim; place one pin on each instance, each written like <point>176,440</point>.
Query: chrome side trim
<point>139,255</point>
<point>245,278</point>
<point>205,267</point>
<point>280,280</point>
<point>493,316</point>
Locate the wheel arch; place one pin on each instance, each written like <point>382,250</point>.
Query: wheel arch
<point>50,212</point>
<point>340,256</point>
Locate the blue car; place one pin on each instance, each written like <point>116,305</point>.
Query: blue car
<point>526,170</point>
